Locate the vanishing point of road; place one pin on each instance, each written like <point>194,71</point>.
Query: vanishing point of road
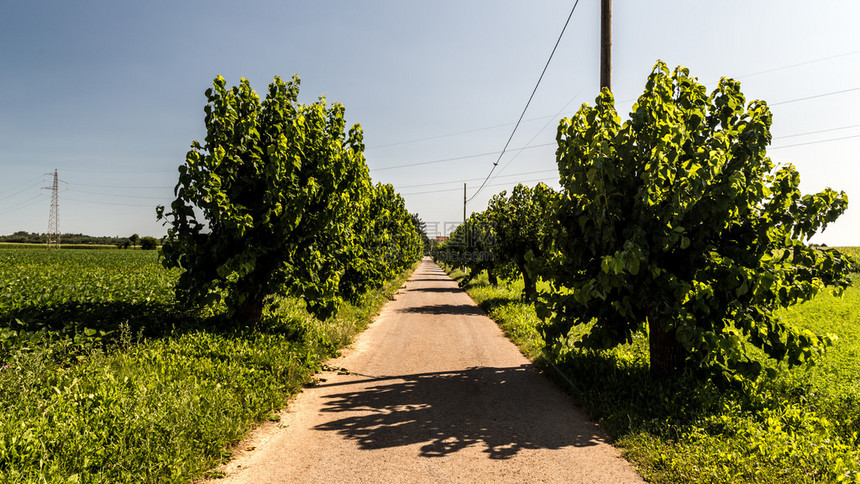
<point>431,392</point>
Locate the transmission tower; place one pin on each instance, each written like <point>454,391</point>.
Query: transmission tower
<point>54,216</point>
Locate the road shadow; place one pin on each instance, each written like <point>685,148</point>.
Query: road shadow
<point>436,289</point>
<point>454,309</point>
<point>430,279</point>
<point>505,410</point>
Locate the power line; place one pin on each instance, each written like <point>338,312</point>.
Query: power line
<point>108,203</point>
<point>816,132</point>
<point>814,142</point>
<point>428,138</point>
<point>490,185</point>
<point>25,203</point>
<point>537,134</point>
<point>528,102</point>
<point>21,191</point>
<point>457,158</point>
<point>815,96</point>
<point>126,187</point>
<point>475,179</point>
<point>114,195</point>
<point>813,61</point>
<point>553,144</point>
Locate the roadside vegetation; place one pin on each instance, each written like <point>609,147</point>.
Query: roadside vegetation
<point>801,426</point>
<point>671,281</point>
<point>144,366</point>
<point>103,378</point>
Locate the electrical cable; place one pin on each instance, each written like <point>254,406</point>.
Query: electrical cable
<point>815,96</point>
<point>536,135</point>
<point>814,142</point>
<point>475,179</point>
<point>25,203</point>
<point>428,138</point>
<point>126,187</point>
<point>528,102</point>
<point>114,195</point>
<point>816,132</point>
<point>21,191</point>
<point>813,61</point>
<point>457,158</point>
<point>491,185</point>
<point>106,203</point>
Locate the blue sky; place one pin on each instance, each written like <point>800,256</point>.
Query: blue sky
<point>111,93</point>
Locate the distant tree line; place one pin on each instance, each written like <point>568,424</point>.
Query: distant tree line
<point>23,237</point>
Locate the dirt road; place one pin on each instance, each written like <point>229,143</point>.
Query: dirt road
<point>434,393</point>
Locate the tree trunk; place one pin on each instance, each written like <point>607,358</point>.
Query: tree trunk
<point>250,311</point>
<point>491,276</point>
<point>528,282</point>
<point>667,354</point>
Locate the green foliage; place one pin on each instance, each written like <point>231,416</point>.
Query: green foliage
<point>469,246</point>
<point>45,304</point>
<point>801,426</point>
<point>280,186</point>
<point>387,243</point>
<point>154,400</point>
<point>523,225</point>
<point>675,220</point>
<point>421,227</point>
<point>148,243</point>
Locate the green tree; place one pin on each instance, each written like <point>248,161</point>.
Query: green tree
<point>676,223</point>
<point>387,243</point>
<point>419,224</point>
<point>148,243</point>
<point>470,247</point>
<point>523,225</point>
<point>134,239</point>
<point>279,185</point>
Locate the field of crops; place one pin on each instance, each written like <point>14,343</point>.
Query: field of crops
<point>802,426</point>
<point>104,379</point>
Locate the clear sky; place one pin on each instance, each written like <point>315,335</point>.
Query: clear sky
<point>111,93</point>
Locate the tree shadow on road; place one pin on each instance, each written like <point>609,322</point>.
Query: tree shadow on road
<point>505,410</point>
<point>451,309</point>
<point>437,289</point>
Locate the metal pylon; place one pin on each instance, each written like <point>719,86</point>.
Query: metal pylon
<point>54,216</point>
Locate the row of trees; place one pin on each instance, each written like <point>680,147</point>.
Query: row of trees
<point>24,237</point>
<point>146,242</point>
<point>278,200</point>
<point>674,223</point>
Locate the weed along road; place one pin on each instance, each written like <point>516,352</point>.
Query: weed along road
<point>431,392</point>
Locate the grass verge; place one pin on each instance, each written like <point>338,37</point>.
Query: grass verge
<point>802,426</point>
<point>161,409</point>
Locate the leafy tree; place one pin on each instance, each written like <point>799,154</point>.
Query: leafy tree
<point>148,243</point>
<point>523,225</point>
<point>419,224</point>
<point>134,239</point>
<point>279,185</point>
<point>676,221</point>
<point>469,246</point>
<point>387,243</point>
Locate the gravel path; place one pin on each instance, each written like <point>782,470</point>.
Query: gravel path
<point>431,392</point>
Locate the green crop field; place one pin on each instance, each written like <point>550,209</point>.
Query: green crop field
<point>802,426</point>
<point>103,378</point>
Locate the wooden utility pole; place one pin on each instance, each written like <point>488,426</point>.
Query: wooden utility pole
<point>606,44</point>
<point>464,203</point>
